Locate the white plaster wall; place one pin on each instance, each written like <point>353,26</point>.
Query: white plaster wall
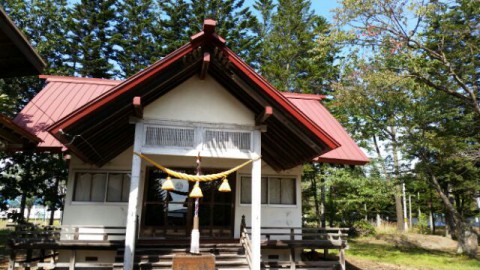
<point>200,101</point>
<point>272,215</point>
<point>94,213</point>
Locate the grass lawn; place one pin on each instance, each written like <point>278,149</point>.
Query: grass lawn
<point>408,256</point>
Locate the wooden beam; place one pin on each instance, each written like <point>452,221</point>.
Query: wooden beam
<point>137,107</point>
<point>205,65</point>
<point>261,118</point>
<point>209,26</point>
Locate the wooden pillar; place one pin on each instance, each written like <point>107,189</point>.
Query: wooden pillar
<point>256,201</point>
<point>73,259</point>
<point>341,258</point>
<point>130,234</point>
<point>11,260</point>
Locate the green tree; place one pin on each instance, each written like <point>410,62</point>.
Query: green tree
<point>433,47</point>
<point>22,175</point>
<point>175,18</point>
<point>138,38</point>
<point>290,56</point>
<point>235,23</point>
<point>44,25</point>
<point>91,36</point>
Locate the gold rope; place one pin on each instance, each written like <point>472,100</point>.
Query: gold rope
<point>194,178</point>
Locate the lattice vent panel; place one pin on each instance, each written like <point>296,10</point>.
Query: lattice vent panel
<point>227,140</point>
<point>167,136</point>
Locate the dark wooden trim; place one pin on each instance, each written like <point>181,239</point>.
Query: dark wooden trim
<point>262,117</point>
<point>205,65</point>
<point>137,107</point>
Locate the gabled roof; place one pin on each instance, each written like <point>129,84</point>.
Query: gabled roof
<point>60,97</point>
<point>63,95</point>
<point>348,153</point>
<point>17,57</point>
<point>15,136</point>
<point>102,124</point>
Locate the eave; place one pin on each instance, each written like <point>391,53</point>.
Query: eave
<point>17,57</point>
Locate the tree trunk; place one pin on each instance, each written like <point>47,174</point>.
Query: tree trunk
<point>398,198</point>
<point>52,217</point>
<point>23,203</point>
<point>466,237</point>
<point>313,183</point>
<point>52,207</point>
<point>323,220</point>
<point>332,206</point>
<point>379,220</point>
<point>401,223</point>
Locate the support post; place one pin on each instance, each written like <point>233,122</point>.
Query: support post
<point>341,258</point>
<point>256,201</point>
<point>130,237</point>
<point>73,259</point>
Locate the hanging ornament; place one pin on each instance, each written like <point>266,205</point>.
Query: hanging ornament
<point>196,191</point>
<point>224,187</point>
<point>168,184</point>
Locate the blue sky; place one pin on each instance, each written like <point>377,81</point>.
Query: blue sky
<point>321,7</point>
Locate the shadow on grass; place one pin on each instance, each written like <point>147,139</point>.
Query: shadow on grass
<point>397,246</point>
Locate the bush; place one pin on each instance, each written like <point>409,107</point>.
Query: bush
<point>363,228</point>
<point>422,224</point>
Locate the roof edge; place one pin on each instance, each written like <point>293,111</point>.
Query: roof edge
<point>71,79</point>
<point>124,86</point>
<point>22,42</point>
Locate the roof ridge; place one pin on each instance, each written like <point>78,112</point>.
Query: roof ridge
<point>73,79</point>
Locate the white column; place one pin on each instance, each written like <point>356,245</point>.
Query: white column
<point>133,200</point>
<point>256,201</point>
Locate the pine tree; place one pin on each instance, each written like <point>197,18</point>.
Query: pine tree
<point>290,57</point>
<point>235,23</point>
<point>175,24</point>
<point>138,36</point>
<point>91,36</point>
<point>43,23</point>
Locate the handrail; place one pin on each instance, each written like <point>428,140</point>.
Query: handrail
<point>305,233</point>
<point>245,241</point>
<point>32,233</point>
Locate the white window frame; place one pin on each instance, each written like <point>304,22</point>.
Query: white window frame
<point>104,202</point>
<point>294,177</point>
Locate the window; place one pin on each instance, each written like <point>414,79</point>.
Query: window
<point>275,190</point>
<point>101,187</point>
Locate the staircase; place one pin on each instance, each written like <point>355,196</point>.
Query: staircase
<point>228,256</point>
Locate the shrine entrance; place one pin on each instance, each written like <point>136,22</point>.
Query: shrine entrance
<point>169,214</point>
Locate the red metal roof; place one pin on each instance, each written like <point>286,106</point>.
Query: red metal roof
<point>63,95</point>
<point>60,97</point>
<point>348,153</point>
